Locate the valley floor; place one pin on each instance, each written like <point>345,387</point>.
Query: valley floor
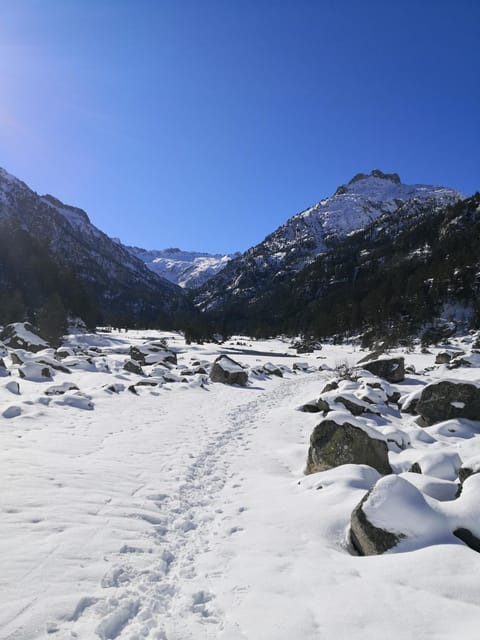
<point>183,514</point>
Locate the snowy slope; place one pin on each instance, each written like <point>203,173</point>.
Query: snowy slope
<point>315,230</point>
<point>182,513</point>
<point>188,269</point>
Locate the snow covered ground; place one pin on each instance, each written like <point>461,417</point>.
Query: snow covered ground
<point>182,511</point>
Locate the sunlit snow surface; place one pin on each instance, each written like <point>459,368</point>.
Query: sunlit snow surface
<point>183,513</point>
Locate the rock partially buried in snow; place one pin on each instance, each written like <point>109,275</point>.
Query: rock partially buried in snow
<point>393,510</point>
<point>333,444</point>
<point>35,372</point>
<point>21,335</point>
<point>390,369</point>
<point>228,371</point>
<point>3,369</point>
<point>444,465</point>
<point>448,399</point>
<point>60,389</point>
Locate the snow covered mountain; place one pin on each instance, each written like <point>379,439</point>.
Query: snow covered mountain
<point>49,247</point>
<point>315,231</point>
<point>188,269</point>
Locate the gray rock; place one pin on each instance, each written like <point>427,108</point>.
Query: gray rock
<point>445,400</point>
<point>228,371</point>
<point>390,369</point>
<point>470,539</point>
<point>366,538</point>
<point>133,367</point>
<point>272,370</point>
<point>330,386</point>
<point>443,357</point>
<point>332,445</point>
<point>355,408</point>
<point>310,407</point>
<point>464,473</point>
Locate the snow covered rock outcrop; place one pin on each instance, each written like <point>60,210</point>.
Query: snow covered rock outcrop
<point>228,371</point>
<point>335,441</point>
<point>21,335</point>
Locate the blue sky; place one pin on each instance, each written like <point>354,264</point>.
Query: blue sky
<point>205,124</point>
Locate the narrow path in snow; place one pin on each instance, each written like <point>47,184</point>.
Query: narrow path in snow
<point>155,595</point>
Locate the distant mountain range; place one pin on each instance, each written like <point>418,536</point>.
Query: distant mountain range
<point>188,269</point>
<point>377,254</point>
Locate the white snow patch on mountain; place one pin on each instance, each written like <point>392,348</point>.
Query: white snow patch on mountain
<point>354,206</point>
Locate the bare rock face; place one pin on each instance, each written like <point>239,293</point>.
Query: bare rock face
<point>390,369</point>
<point>332,445</point>
<point>228,371</point>
<point>445,400</point>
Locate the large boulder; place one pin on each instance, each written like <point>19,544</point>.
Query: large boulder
<point>228,371</point>
<point>448,399</point>
<point>21,335</point>
<point>390,369</point>
<point>394,511</point>
<point>333,444</point>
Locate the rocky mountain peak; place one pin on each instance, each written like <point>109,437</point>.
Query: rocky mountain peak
<point>376,173</point>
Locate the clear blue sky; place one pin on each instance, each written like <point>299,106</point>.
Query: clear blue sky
<point>205,124</point>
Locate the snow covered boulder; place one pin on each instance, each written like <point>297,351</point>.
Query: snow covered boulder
<point>444,357</point>
<point>21,335</point>
<point>335,443</point>
<point>390,369</point>
<point>395,510</point>
<point>152,353</point>
<point>35,372</point>
<point>272,370</point>
<point>444,465</point>
<point>228,371</point>
<point>448,399</point>
<point>354,404</point>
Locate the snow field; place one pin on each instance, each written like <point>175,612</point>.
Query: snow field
<point>183,512</point>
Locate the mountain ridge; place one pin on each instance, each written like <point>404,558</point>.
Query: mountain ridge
<point>315,230</point>
<point>62,239</point>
